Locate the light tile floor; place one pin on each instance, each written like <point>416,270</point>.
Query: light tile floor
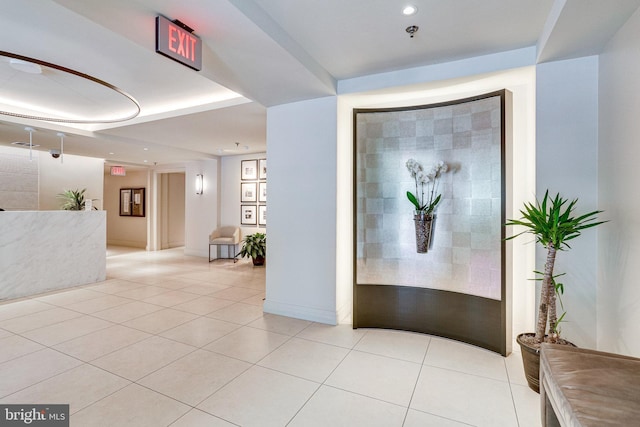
<point>170,340</point>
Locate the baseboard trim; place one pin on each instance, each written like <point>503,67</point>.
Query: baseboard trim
<point>196,252</point>
<point>300,312</point>
<point>127,243</point>
<point>463,317</point>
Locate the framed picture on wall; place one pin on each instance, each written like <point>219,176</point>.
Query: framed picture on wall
<point>137,199</point>
<point>248,215</point>
<point>249,169</point>
<point>132,202</point>
<point>262,215</point>
<point>262,192</point>
<point>125,202</point>
<point>262,168</point>
<point>248,192</point>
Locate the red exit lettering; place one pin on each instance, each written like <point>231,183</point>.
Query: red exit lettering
<point>177,41</point>
<point>182,43</point>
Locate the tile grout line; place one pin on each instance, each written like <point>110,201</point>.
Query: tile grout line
<point>422,365</point>
<point>320,385</point>
<point>413,392</point>
<point>513,399</point>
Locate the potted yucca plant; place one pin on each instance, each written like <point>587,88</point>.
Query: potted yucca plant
<point>552,224</point>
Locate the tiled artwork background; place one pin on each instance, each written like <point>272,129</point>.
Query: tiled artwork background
<point>465,255</point>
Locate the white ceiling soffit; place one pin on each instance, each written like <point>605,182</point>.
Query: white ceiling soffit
<point>577,28</point>
<point>44,30</point>
<point>173,139</point>
<point>361,37</point>
<point>245,124</point>
<point>119,150</point>
<point>237,53</point>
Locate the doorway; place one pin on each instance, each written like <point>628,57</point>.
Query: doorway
<point>171,209</point>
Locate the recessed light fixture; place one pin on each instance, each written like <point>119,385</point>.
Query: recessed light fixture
<point>409,10</point>
<point>145,161</point>
<point>412,30</point>
<point>25,66</point>
<point>111,154</point>
<point>145,149</point>
<point>24,144</point>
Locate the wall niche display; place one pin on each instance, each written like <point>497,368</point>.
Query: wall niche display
<point>132,202</point>
<point>442,275</point>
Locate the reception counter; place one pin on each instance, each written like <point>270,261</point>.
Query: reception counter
<point>42,251</point>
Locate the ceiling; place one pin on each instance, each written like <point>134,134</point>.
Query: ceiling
<point>256,54</point>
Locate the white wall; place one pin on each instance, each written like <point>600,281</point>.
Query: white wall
<point>125,230</point>
<point>18,179</point>
<point>619,151</point>
<point>486,64</point>
<point>77,172</point>
<point>301,266</point>
<point>34,185</point>
<point>230,193</point>
<point>567,162</point>
<point>201,210</point>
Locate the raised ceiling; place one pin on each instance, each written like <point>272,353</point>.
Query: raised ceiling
<point>260,53</point>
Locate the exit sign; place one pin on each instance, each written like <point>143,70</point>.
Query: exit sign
<point>177,41</point>
<point>118,171</point>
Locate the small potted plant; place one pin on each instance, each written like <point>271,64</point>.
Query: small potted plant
<point>73,200</point>
<point>552,224</point>
<point>254,246</point>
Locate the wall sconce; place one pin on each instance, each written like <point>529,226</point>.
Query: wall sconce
<point>199,183</point>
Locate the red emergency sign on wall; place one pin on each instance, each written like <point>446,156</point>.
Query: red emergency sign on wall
<point>178,43</point>
<point>118,171</point>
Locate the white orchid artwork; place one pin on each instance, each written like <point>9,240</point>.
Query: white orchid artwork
<point>426,197</point>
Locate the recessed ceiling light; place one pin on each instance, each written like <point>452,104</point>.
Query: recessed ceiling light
<point>145,161</point>
<point>409,10</point>
<point>145,149</point>
<point>25,66</point>
<point>111,154</point>
<point>24,144</point>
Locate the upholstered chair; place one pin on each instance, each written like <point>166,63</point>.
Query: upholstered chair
<point>228,236</point>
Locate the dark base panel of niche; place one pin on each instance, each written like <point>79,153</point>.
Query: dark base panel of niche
<point>467,318</point>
